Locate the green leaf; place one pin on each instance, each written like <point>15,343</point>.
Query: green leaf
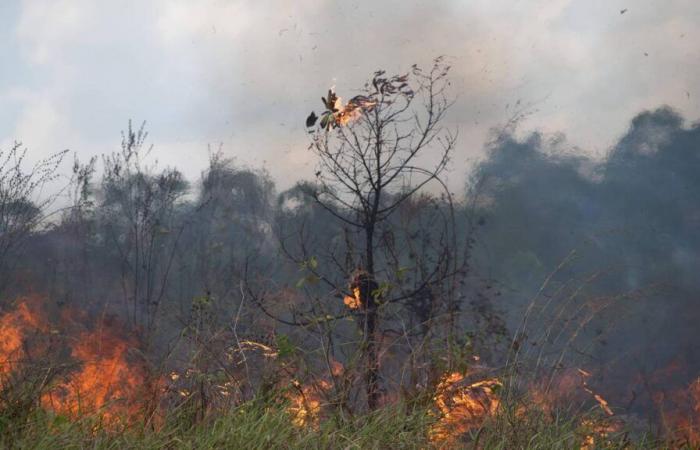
<point>382,290</point>
<point>401,273</point>
<point>308,279</point>
<point>311,263</point>
<point>284,345</point>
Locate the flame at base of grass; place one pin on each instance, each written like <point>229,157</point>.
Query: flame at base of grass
<point>680,414</point>
<point>463,406</point>
<point>106,383</point>
<point>598,433</point>
<point>305,403</point>
<point>15,325</point>
<point>99,378</point>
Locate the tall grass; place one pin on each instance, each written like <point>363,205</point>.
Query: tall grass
<point>265,425</point>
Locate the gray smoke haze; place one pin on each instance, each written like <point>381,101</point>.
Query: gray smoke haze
<point>576,175</point>
<point>246,73</point>
<point>632,220</point>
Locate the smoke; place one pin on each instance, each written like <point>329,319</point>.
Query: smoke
<point>607,251</point>
<point>626,228</point>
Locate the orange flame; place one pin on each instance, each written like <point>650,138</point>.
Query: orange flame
<point>597,397</point>
<point>463,406</point>
<point>305,403</point>
<point>354,301</point>
<point>104,381</point>
<point>680,413</point>
<point>352,110</point>
<point>598,433</point>
<point>107,384</point>
<point>14,327</point>
<point>338,114</point>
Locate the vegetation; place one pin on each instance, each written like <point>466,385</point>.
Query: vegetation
<point>258,426</point>
<point>368,308</point>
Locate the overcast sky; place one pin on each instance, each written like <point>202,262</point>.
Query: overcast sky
<point>244,74</point>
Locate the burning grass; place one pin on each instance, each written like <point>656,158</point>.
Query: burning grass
<point>92,388</point>
<point>463,406</point>
<point>107,383</point>
<point>305,403</point>
<point>81,372</point>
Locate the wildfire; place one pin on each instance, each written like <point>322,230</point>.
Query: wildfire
<point>564,389</point>
<point>353,301</point>
<point>598,433</point>
<point>100,380</point>
<point>597,397</point>
<point>305,403</point>
<point>680,413</point>
<point>13,327</point>
<point>102,377</point>
<point>353,109</point>
<point>106,384</point>
<point>337,114</point>
<point>463,406</point>
<point>599,430</point>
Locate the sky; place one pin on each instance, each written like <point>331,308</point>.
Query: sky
<point>243,75</point>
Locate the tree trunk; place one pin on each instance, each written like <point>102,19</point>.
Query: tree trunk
<point>364,281</point>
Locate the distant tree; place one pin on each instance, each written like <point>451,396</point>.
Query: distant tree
<point>228,232</point>
<point>139,214</point>
<point>80,194</point>
<point>23,204</point>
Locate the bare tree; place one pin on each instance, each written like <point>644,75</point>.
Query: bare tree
<point>374,154</point>
<point>140,215</point>
<point>23,204</point>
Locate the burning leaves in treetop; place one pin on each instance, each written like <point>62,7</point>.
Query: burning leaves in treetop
<point>337,114</point>
<point>382,90</point>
